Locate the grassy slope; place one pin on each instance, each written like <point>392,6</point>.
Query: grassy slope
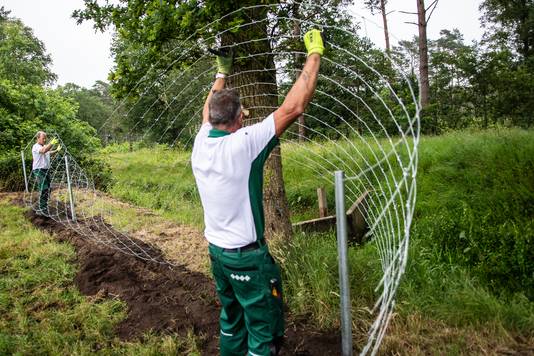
<point>474,211</point>
<point>43,312</point>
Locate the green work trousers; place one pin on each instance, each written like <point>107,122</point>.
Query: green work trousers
<point>43,185</point>
<point>250,291</point>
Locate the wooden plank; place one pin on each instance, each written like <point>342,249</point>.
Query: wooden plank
<point>316,225</point>
<point>357,216</point>
<point>356,221</point>
<point>323,207</point>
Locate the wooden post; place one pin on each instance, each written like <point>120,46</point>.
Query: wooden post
<point>323,207</point>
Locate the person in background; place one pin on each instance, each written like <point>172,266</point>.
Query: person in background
<point>41,164</point>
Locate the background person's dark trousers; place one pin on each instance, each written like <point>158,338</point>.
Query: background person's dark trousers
<point>43,185</point>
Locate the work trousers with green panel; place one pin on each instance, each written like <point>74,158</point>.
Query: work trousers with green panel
<point>43,185</point>
<point>250,291</point>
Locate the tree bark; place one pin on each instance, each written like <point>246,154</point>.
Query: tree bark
<point>423,54</point>
<point>385,21</point>
<point>261,100</point>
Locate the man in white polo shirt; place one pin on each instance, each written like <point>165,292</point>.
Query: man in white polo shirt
<point>227,163</point>
<point>40,166</point>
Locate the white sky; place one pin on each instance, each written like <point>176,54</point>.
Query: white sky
<point>82,56</point>
<point>461,14</point>
<point>79,54</point>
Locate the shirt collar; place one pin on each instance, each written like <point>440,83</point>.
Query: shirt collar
<point>218,133</point>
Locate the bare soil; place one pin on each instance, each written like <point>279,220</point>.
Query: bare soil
<point>161,297</point>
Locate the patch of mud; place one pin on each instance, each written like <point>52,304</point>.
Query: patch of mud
<point>181,244</point>
<point>160,298</point>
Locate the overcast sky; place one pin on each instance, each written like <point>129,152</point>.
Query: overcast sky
<point>82,56</point>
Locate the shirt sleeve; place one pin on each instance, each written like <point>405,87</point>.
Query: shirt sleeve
<point>35,149</point>
<point>203,131</point>
<point>259,139</point>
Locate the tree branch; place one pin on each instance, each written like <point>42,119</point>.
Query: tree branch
<point>429,6</point>
<point>407,12</point>
<point>435,3</point>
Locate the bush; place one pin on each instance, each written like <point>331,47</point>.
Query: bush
<point>99,171</point>
<point>11,176</point>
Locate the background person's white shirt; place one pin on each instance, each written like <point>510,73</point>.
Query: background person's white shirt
<point>40,160</point>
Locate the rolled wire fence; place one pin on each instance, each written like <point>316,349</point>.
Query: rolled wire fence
<point>374,153</point>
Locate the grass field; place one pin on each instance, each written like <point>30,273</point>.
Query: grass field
<point>467,287</point>
<point>43,313</point>
<point>472,251</point>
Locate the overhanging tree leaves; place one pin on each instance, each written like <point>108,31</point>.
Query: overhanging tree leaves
<point>510,21</point>
<point>152,29</point>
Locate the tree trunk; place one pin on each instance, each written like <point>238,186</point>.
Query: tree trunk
<point>261,100</point>
<point>385,21</point>
<point>423,54</point>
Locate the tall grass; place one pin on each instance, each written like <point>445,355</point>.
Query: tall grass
<point>157,178</point>
<point>472,253</point>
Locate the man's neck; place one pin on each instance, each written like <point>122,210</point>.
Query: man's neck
<point>230,129</point>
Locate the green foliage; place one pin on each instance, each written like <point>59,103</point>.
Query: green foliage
<point>310,276</point>
<point>471,86</point>
<point>159,43</point>
<point>26,106</point>
<point>510,23</point>
<point>440,288</point>
<point>28,109</point>
<point>44,313</point>
<point>156,178</point>
<point>22,55</point>
<point>11,175</point>
<point>96,107</point>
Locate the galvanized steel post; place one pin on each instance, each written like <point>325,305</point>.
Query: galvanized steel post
<point>341,221</point>
<point>69,187</point>
<point>24,171</point>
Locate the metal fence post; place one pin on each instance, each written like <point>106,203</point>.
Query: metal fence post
<point>69,187</point>
<point>341,221</point>
<point>24,171</point>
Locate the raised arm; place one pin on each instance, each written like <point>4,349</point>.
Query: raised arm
<point>48,147</point>
<point>224,67</point>
<point>302,91</point>
<point>218,85</point>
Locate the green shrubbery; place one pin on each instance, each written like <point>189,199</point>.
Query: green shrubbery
<point>30,108</point>
<point>28,105</point>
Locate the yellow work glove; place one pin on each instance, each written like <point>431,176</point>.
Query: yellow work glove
<point>54,141</point>
<point>58,148</point>
<point>313,40</point>
<point>225,60</point>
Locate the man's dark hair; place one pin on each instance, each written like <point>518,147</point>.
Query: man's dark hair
<point>224,107</point>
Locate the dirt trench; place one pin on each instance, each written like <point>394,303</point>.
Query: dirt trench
<point>161,298</point>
